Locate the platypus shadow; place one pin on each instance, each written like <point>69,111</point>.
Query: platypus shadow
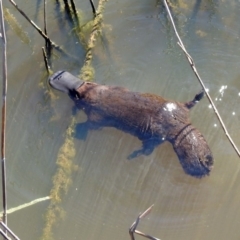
<point>82,129</point>
<point>151,118</point>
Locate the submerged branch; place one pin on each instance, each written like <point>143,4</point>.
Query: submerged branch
<point>192,64</point>
<point>75,12</point>
<point>133,227</point>
<point>93,8</point>
<point>36,27</point>
<point>9,231</point>
<point>12,210</point>
<point>4,107</point>
<point>67,7</point>
<point>44,16</point>
<point>45,60</point>
<point>74,8</point>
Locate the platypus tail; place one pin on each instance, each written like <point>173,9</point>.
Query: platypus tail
<point>196,99</point>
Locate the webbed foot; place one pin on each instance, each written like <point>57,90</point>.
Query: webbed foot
<point>147,148</point>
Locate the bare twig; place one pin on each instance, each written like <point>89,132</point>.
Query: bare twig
<point>93,8</point>
<point>12,210</point>
<point>67,7</point>
<point>4,107</point>
<point>146,235</point>
<point>44,15</point>
<point>45,60</point>
<point>142,215</point>
<point>74,8</point>
<point>133,227</point>
<point>189,58</point>
<point>47,43</point>
<point>53,44</point>
<point>35,26</point>
<point>4,234</point>
<point>8,230</point>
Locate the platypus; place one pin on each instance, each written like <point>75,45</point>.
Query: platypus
<point>149,117</point>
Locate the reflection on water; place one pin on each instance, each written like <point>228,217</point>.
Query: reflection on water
<point>137,50</point>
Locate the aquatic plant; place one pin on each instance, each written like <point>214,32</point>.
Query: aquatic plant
<point>15,26</point>
<point>62,180</point>
<point>87,72</point>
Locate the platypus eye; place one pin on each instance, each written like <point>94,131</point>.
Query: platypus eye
<point>73,94</point>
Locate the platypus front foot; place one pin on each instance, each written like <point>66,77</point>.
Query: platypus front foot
<point>147,148</point>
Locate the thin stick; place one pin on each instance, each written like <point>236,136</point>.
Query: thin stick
<point>12,210</point>
<point>133,227</point>
<point>45,21</point>
<point>35,26</point>
<point>77,22</point>
<point>47,43</point>
<point>45,60</point>
<point>143,215</point>
<point>4,107</point>
<point>146,235</point>
<point>74,7</point>
<point>189,58</point>
<point>93,8</point>
<point>6,228</point>
<point>4,235</point>
<point>67,7</point>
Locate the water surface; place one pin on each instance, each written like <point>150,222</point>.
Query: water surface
<point>137,50</point>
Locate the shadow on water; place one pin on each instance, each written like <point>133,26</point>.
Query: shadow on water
<point>179,7</point>
<point>68,27</point>
<point>179,20</point>
<point>211,7</point>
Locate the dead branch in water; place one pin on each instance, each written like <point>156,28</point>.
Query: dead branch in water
<point>73,5</point>
<point>67,7</point>
<point>36,27</point>
<point>14,209</point>
<point>4,107</point>
<point>6,230</point>
<point>44,16</point>
<point>93,8</point>
<point>72,13</point>
<point>45,60</point>
<point>193,66</point>
<point>53,44</point>
<point>47,43</point>
<point>133,230</point>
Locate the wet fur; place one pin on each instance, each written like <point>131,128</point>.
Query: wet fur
<point>149,117</point>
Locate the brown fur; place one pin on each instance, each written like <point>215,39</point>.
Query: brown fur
<point>149,117</point>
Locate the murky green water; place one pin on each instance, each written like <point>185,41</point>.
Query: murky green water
<point>138,50</point>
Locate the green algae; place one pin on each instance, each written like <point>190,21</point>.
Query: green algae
<point>62,179</point>
<point>87,72</point>
<point>15,26</point>
<point>61,182</point>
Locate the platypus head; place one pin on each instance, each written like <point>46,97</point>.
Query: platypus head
<point>193,152</point>
<point>65,82</point>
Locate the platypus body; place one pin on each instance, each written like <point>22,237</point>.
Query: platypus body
<point>149,117</point>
